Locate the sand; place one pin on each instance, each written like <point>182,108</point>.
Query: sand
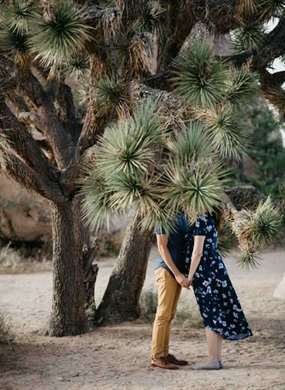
<point>117,357</point>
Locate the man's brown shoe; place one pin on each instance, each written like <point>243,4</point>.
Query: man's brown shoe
<point>164,363</point>
<point>172,359</point>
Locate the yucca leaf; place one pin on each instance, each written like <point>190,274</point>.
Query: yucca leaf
<point>248,38</point>
<point>147,121</point>
<point>14,43</point>
<point>111,96</point>
<point>56,40</point>
<point>131,191</point>
<point>122,150</point>
<point>130,146</point>
<point>266,222</point>
<point>19,15</point>
<point>150,20</point>
<point>194,188</point>
<point>249,260</point>
<point>191,144</point>
<point>96,204</point>
<point>242,84</point>
<point>199,77</point>
<point>254,229</point>
<point>78,65</point>
<point>225,133</point>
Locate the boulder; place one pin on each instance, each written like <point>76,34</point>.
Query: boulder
<point>24,216</point>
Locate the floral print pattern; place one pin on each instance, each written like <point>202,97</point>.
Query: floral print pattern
<point>217,300</point>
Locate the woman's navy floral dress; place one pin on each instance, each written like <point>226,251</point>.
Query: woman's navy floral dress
<point>215,295</point>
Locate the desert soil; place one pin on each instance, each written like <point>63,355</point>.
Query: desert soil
<point>117,357</point>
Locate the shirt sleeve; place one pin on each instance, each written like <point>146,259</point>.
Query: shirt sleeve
<point>200,226</point>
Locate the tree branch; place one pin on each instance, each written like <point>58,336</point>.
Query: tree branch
<point>59,140</point>
<point>21,141</point>
<point>272,47</point>
<point>67,111</point>
<point>271,85</point>
<point>29,178</point>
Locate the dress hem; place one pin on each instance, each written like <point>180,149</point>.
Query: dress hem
<point>237,337</point>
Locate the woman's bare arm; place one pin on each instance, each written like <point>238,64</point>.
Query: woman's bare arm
<point>196,255</point>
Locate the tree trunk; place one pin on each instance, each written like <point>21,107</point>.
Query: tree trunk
<point>121,299</point>
<point>68,315</point>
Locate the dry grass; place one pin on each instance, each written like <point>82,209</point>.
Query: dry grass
<point>9,258</point>
<point>13,262</point>
<point>6,335</point>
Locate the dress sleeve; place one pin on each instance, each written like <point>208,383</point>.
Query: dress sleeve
<point>159,230</point>
<point>200,226</point>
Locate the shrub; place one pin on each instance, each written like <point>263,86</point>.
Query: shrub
<point>6,336</point>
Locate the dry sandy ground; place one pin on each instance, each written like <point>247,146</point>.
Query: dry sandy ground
<point>117,357</point>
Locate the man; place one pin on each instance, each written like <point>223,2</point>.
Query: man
<point>171,270</point>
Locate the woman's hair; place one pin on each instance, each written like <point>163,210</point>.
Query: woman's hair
<point>219,219</point>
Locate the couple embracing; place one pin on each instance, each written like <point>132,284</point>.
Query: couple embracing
<point>189,258</point>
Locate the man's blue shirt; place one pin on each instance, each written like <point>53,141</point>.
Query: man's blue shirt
<point>177,244</point>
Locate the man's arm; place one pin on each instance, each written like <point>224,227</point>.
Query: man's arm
<point>162,240</point>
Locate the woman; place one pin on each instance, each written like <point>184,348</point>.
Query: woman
<point>217,300</point>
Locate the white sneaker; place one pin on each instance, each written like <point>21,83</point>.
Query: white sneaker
<point>209,365</point>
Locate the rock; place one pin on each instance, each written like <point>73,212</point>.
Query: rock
<point>24,216</point>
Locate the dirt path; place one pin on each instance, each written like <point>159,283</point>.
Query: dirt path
<point>117,357</point>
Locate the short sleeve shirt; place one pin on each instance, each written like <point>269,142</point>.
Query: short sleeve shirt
<point>177,244</point>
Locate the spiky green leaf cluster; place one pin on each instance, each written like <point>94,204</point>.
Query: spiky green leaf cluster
<point>199,77</point>
<point>15,25</point>
<point>13,43</point>
<point>19,14</point>
<point>151,15</point>
<point>225,133</point>
<point>78,65</point>
<point>194,188</point>
<point>154,177</point>
<point>242,84</point>
<point>215,90</point>
<point>191,144</point>
<point>96,205</point>
<point>254,229</point>
<point>248,38</point>
<point>249,260</point>
<point>265,222</point>
<point>111,95</point>
<point>65,33</point>
<point>129,146</point>
<point>124,158</point>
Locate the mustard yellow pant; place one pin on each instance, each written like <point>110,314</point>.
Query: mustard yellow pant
<point>168,294</point>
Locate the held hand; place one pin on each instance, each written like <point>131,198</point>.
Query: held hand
<point>190,281</point>
<point>182,280</point>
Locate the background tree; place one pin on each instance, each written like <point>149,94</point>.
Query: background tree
<point>263,167</point>
<point>69,69</point>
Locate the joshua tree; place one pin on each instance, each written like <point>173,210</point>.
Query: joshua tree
<point>71,69</point>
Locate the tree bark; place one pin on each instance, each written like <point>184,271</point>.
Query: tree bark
<point>121,299</point>
<point>68,315</point>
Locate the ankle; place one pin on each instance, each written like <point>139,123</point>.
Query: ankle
<point>214,359</point>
